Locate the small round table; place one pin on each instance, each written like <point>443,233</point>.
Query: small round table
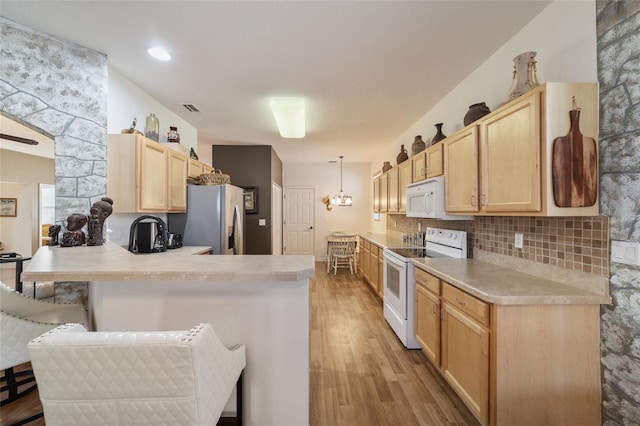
<point>17,259</point>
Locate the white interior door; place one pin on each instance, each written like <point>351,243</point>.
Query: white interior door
<point>299,220</point>
<point>276,218</point>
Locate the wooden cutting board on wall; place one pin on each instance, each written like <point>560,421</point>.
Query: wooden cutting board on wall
<point>575,167</point>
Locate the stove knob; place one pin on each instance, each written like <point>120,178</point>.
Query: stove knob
<point>453,236</point>
<point>449,234</point>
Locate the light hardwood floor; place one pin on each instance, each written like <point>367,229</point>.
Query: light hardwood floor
<point>360,374</point>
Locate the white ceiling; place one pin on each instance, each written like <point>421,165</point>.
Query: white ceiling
<point>367,70</point>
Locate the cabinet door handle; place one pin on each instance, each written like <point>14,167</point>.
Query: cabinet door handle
<point>460,301</point>
<point>442,315</point>
<point>473,200</point>
<point>483,200</point>
<point>435,308</point>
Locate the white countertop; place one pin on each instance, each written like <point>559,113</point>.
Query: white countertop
<point>504,286</point>
<point>110,262</point>
<point>384,240</point>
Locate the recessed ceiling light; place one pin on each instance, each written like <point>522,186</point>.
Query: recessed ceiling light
<point>159,53</point>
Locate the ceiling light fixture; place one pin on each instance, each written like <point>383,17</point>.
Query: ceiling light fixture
<point>289,115</point>
<point>159,53</point>
<point>341,199</point>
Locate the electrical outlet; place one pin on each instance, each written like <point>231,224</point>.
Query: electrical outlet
<point>519,240</point>
<point>625,252</point>
<point>395,223</point>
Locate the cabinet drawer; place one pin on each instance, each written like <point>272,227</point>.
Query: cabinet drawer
<point>427,280</point>
<point>468,304</point>
<point>374,250</point>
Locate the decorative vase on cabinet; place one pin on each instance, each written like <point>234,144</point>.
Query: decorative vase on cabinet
<point>524,74</point>
<point>439,135</point>
<point>386,166</point>
<point>476,111</point>
<point>402,156</point>
<point>418,145</point>
<point>152,127</point>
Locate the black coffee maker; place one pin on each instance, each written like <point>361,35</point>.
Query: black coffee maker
<point>148,234</point>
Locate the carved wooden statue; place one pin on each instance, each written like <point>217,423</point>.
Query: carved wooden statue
<point>74,236</point>
<point>100,211</point>
<point>54,232</point>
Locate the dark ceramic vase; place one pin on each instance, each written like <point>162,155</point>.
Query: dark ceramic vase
<point>386,166</point>
<point>475,112</point>
<point>439,135</point>
<point>403,156</point>
<point>418,145</point>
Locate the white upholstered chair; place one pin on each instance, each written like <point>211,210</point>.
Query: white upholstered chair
<point>21,320</point>
<point>135,378</point>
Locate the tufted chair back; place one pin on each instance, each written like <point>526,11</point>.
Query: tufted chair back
<point>134,378</point>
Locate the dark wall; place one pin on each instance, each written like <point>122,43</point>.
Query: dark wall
<point>258,166</point>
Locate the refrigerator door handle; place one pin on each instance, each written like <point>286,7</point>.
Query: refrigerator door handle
<point>234,230</point>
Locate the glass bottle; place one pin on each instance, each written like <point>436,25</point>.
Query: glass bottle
<point>152,127</point>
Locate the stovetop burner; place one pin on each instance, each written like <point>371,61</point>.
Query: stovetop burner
<point>415,252</point>
<point>440,243</point>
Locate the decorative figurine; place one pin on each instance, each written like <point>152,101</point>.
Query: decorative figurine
<point>74,236</point>
<point>132,129</point>
<point>173,135</point>
<point>100,211</point>
<point>54,231</point>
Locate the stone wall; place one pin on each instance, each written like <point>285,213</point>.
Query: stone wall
<point>618,29</point>
<point>61,88</point>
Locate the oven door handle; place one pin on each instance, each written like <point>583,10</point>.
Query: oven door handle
<point>392,260</point>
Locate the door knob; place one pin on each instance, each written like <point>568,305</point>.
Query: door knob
<point>311,227</point>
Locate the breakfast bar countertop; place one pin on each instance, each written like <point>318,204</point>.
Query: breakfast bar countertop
<point>111,262</point>
<point>504,286</point>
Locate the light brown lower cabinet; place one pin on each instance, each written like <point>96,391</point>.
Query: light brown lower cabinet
<point>512,364</point>
<point>381,273</point>
<point>370,265</point>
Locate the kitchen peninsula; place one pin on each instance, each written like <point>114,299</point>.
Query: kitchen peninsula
<point>259,301</point>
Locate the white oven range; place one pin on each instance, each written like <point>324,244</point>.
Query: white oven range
<point>399,285</point>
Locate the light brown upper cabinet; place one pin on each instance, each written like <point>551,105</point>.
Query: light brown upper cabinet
<point>392,189</point>
<point>428,163</point>
<point>393,194</point>
<point>504,163</point>
<point>384,192</point>
<point>177,198</point>
<point>144,176</point>
<point>376,194</point>
<point>195,168</point>
<point>404,178</point>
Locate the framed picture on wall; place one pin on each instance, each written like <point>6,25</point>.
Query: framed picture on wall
<point>8,207</point>
<point>250,200</point>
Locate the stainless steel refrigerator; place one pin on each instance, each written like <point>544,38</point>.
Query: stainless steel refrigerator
<point>214,217</point>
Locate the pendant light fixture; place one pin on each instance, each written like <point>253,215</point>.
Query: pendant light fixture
<point>341,199</point>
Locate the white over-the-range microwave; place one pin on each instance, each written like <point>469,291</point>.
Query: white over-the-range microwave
<point>426,199</point>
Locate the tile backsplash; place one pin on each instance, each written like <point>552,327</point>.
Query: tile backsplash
<point>576,243</point>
